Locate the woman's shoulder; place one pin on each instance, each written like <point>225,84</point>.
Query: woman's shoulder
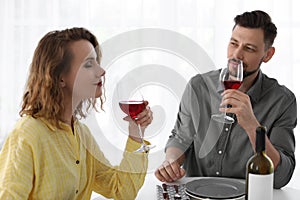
<point>30,128</point>
<point>26,122</point>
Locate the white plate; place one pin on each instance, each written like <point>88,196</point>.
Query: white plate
<point>216,188</point>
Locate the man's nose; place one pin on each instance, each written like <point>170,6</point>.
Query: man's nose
<point>238,53</point>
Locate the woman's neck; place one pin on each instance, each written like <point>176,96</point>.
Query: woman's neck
<point>67,116</point>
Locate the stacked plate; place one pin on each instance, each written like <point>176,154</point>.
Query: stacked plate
<point>216,188</point>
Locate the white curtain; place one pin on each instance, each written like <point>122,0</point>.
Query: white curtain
<point>204,23</point>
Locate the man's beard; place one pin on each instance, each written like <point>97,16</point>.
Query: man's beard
<point>248,73</point>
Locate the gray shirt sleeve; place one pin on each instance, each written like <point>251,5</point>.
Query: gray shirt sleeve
<point>282,137</point>
<point>184,130</point>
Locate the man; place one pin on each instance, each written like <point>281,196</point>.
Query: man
<point>206,148</point>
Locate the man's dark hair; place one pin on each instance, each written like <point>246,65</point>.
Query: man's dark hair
<point>258,19</point>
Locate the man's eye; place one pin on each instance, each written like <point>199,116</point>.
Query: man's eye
<point>233,44</point>
<point>250,49</point>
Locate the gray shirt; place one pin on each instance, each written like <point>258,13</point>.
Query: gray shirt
<point>215,149</point>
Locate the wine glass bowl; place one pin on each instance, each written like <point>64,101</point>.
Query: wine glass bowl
<point>231,77</point>
<point>132,108</point>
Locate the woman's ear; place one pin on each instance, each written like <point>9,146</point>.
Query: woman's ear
<point>62,83</point>
<point>269,54</point>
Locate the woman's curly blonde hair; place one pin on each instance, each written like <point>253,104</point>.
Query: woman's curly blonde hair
<point>52,57</point>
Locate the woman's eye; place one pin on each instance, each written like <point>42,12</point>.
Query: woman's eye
<point>88,64</point>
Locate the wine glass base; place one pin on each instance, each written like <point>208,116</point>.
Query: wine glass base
<point>223,119</point>
<point>144,148</point>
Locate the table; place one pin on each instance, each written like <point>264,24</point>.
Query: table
<point>148,191</point>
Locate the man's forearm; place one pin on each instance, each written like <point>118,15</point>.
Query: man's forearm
<point>175,154</point>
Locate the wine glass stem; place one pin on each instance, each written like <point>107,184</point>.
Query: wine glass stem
<point>140,134</point>
<point>227,106</point>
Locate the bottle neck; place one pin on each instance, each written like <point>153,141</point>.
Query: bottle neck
<point>260,145</point>
<point>261,153</point>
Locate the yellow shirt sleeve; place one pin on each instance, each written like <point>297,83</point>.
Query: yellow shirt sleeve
<point>16,154</point>
<point>125,180</point>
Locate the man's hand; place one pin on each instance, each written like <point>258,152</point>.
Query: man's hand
<point>171,170</point>
<point>241,107</point>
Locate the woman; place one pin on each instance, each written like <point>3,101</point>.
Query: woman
<point>50,154</point>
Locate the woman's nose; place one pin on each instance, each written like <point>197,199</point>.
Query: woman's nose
<point>100,71</point>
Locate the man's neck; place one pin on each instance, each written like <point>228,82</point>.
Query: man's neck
<point>248,82</point>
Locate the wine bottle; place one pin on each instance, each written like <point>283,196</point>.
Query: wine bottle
<point>260,170</point>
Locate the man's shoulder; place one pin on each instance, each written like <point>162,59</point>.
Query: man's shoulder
<point>212,75</point>
<point>272,85</point>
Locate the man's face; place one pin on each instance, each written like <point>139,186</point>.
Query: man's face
<point>247,44</point>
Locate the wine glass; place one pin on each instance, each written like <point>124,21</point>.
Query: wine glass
<point>132,104</point>
<point>231,77</point>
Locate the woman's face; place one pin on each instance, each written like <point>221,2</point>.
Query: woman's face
<point>85,78</point>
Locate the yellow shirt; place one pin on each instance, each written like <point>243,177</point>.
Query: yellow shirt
<point>39,161</point>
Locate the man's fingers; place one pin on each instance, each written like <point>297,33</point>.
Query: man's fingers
<point>170,167</point>
<point>175,169</point>
<point>169,172</point>
<point>161,175</point>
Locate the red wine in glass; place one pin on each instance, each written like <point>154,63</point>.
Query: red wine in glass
<point>232,84</point>
<point>132,108</point>
<point>231,77</point>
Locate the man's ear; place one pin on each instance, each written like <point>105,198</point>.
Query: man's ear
<point>269,54</point>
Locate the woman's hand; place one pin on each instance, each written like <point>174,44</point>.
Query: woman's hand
<point>144,119</point>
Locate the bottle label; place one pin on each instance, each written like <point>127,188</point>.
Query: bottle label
<point>260,186</point>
